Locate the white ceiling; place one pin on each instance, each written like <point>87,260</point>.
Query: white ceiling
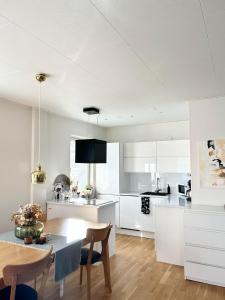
<point>139,61</point>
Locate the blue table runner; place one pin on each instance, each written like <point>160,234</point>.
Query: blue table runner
<point>67,255</point>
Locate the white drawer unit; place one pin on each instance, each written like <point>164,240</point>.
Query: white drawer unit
<point>204,249</point>
<point>206,238</point>
<point>205,273</point>
<point>205,256</point>
<point>205,220</point>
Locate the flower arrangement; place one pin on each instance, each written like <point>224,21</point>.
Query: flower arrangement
<point>28,215</point>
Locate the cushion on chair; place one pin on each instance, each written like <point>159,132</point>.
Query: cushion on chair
<point>84,256</point>
<point>23,292</point>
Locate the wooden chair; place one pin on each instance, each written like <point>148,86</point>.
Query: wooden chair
<point>90,256</point>
<point>15,276</point>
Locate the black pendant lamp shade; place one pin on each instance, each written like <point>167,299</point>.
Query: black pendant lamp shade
<point>90,151</point>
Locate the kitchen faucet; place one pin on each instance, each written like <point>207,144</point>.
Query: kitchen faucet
<point>157,185</point>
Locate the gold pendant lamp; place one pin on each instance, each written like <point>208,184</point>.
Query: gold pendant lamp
<point>38,175</point>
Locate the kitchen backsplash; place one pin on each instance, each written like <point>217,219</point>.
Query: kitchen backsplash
<point>138,182</point>
<point>142,182</point>
<point>173,179</point>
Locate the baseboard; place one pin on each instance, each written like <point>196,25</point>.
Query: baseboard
<point>145,234</point>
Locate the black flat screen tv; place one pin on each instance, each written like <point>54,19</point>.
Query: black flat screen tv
<point>90,151</point>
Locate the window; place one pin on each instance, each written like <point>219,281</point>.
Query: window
<point>78,172</point>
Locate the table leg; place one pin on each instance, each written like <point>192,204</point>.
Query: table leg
<point>61,288</point>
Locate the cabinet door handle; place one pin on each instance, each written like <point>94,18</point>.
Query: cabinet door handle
<point>49,208</point>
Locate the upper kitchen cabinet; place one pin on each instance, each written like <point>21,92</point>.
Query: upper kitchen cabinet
<point>139,164</point>
<point>140,149</point>
<point>178,148</point>
<point>139,157</point>
<point>173,156</point>
<point>107,175</point>
<point>170,164</point>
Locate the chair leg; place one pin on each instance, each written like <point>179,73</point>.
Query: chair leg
<point>88,282</point>
<point>106,267</point>
<point>81,274</point>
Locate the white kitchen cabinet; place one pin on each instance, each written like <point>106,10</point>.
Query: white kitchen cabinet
<point>131,216</point>
<point>115,198</point>
<point>177,148</point>
<point>163,157</point>
<point>140,149</point>
<point>140,164</point>
<point>169,164</point>
<point>129,206</point>
<point>169,235</point>
<point>173,156</point>
<point>204,244</point>
<point>107,175</point>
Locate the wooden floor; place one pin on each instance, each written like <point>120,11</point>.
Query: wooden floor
<point>135,276</point>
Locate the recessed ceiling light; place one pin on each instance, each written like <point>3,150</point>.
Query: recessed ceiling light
<point>131,116</point>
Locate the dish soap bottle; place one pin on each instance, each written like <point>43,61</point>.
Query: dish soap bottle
<point>168,189</point>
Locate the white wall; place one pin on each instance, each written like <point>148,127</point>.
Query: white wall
<point>56,132</point>
<point>207,121</point>
<point>15,149</point>
<point>18,153</point>
<point>149,132</point>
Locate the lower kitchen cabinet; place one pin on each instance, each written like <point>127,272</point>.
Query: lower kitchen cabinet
<point>131,216</point>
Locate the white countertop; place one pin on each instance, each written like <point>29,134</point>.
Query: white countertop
<point>171,201</point>
<point>93,203</point>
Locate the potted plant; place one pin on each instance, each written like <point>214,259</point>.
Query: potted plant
<point>28,221</point>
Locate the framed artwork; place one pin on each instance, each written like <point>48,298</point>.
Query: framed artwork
<point>212,163</point>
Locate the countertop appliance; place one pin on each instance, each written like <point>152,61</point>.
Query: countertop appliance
<point>182,189</point>
<point>185,190</point>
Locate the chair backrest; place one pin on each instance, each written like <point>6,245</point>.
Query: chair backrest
<point>98,235</point>
<point>18,274</point>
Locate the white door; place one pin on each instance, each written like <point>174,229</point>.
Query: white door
<point>107,175</point>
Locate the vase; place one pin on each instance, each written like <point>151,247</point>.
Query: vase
<point>34,231</point>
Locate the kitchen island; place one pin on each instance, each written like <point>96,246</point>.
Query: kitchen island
<point>96,210</point>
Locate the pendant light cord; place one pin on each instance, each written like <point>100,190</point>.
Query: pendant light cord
<point>39,126</point>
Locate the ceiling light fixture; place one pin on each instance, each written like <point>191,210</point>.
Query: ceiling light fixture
<point>38,175</point>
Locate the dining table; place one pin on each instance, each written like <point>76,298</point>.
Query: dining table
<point>62,233</point>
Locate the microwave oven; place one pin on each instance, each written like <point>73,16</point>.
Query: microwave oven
<point>182,189</point>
